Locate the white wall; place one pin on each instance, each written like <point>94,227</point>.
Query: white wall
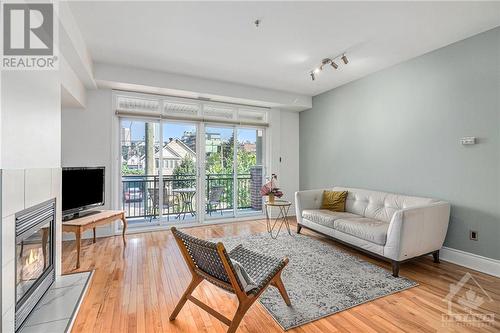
<point>289,153</point>
<point>284,152</point>
<point>87,138</point>
<point>31,119</point>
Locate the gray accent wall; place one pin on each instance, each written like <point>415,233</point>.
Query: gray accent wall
<point>398,130</point>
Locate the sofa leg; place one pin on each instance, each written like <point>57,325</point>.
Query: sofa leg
<point>435,254</point>
<point>299,227</point>
<point>395,268</point>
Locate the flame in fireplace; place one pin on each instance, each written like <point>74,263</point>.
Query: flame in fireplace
<point>33,257</point>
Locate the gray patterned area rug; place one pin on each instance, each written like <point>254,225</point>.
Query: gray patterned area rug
<point>320,278</point>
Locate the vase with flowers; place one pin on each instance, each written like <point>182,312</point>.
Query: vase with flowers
<point>271,189</point>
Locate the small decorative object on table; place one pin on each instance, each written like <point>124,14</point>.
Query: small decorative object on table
<point>270,189</point>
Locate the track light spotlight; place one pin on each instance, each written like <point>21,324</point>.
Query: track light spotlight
<point>324,62</point>
<point>328,61</point>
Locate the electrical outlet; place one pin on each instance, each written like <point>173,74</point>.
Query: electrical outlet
<point>473,235</point>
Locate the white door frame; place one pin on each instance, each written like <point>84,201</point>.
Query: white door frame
<point>200,167</point>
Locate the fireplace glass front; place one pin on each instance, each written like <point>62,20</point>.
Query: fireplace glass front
<point>35,231</point>
<point>33,258</point>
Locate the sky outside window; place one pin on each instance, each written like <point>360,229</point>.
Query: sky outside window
<point>176,131</point>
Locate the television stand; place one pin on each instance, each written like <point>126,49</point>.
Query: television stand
<point>90,221</point>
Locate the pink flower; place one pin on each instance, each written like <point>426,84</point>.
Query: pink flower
<point>270,187</point>
<point>266,189</point>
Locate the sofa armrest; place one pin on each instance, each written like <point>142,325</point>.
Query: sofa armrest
<point>417,230</point>
<point>310,199</point>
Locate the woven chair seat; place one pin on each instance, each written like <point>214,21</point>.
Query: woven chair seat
<point>260,267</point>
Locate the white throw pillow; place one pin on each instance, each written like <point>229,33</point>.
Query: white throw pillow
<point>246,280</point>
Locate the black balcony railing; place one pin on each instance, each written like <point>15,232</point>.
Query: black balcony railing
<point>141,194</point>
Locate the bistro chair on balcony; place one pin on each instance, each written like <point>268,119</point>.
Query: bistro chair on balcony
<point>215,199</point>
<point>154,196</point>
<point>241,271</point>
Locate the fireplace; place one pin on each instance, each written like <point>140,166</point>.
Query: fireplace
<point>35,234</point>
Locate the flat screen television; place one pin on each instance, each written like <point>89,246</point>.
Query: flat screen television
<point>82,189</point>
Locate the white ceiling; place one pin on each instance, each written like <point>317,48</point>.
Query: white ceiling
<point>218,40</point>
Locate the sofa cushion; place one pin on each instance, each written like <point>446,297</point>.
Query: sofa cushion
<point>325,217</point>
<point>379,205</point>
<point>365,228</point>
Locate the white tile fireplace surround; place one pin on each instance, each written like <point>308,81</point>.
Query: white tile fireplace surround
<point>21,189</point>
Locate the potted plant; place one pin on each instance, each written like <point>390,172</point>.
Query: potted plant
<point>271,190</point>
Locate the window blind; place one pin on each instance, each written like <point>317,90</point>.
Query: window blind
<point>185,109</point>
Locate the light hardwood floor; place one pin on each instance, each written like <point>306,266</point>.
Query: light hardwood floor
<point>135,288</point>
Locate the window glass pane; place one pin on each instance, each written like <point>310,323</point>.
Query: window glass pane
<point>179,173</point>
<point>250,170</point>
<point>139,142</point>
<point>219,157</point>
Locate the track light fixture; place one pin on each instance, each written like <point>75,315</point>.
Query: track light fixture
<point>324,62</point>
<point>328,61</point>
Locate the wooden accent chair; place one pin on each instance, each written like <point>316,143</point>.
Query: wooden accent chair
<point>210,261</point>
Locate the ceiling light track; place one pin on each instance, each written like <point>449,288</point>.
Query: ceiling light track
<point>330,62</point>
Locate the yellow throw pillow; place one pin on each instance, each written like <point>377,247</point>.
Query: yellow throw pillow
<point>334,201</point>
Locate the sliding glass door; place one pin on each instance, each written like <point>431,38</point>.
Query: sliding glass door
<point>233,171</point>
<point>160,171</point>
<point>140,143</point>
<point>219,172</point>
<point>250,172</point>
<point>179,171</point>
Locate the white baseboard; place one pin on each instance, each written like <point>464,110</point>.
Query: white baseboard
<point>471,260</point>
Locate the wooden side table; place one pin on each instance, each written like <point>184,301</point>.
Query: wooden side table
<point>281,219</point>
<point>81,224</point>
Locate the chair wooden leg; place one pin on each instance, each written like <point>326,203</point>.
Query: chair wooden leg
<point>278,283</point>
<point>238,316</point>
<point>192,286</point>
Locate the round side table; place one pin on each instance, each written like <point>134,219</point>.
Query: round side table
<point>281,219</point>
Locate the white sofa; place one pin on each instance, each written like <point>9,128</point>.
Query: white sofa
<point>391,226</point>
